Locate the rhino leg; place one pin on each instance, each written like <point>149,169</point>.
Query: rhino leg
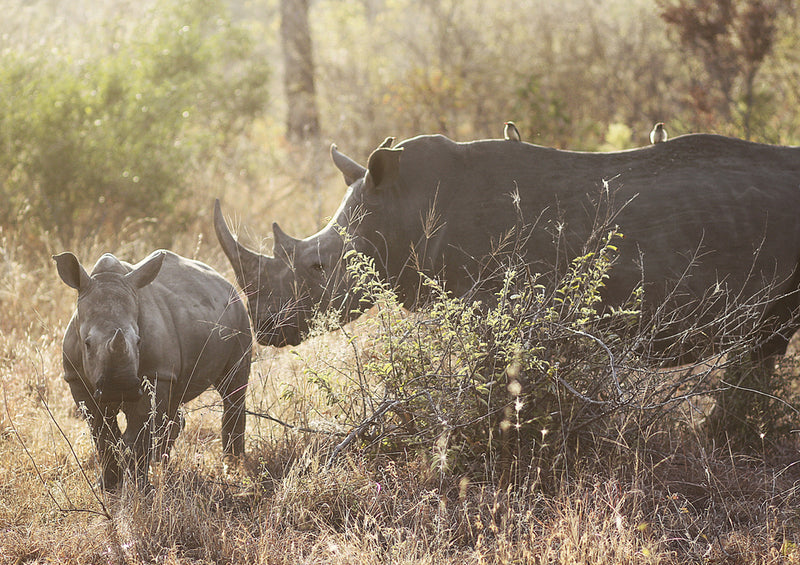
<point>747,404</point>
<point>152,426</point>
<point>105,433</point>
<point>107,438</point>
<point>740,409</point>
<point>233,388</point>
<point>745,408</point>
<point>168,420</point>
<point>168,433</point>
<point>233,423</point>
<point>138,438</point>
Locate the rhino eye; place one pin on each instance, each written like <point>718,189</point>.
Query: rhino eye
<point>87,343</point>
<point>317,268</point>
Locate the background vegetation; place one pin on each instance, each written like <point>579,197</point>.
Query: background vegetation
<point>119,124</point>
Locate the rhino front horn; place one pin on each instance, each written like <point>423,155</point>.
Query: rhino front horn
<point>116,344</point>
<point>245,263</point>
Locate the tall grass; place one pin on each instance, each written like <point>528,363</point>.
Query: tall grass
<point>399,438</point>
<point>408,488</point>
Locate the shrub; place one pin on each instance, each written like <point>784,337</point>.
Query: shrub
<point>529,371</point>
<point>91,140</point>
<point>509,375</point>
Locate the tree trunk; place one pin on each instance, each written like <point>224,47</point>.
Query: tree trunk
<point>302,120</point>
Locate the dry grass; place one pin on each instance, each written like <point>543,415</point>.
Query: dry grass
<point>682,500</point>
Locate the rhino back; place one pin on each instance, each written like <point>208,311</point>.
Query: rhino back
<point>734,202</point>
<point>193,324</point>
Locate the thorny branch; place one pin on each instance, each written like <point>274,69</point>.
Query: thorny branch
<point>266,416</point>
<point>355,432</point>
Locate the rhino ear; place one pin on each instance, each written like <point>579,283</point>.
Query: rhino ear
<point>147,270</point>
<point>386,143</point>
<point>351,170</point>
<point>383,167</point>
<point>71,271</point>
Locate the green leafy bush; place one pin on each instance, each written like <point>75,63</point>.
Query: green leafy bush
<point>530,370</point>
<point>90,140</point>
<point>506,379</point>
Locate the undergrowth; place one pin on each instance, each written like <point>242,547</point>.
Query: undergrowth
<point>521,423</point>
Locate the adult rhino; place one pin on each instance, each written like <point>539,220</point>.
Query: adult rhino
<point>168,321</point>
<point>700,214</point>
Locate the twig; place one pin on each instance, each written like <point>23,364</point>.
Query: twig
<point>760,393</point>
<point>380,411</point>
<point>611,364</point>
<point>266,416</point>
<point>77,460</point>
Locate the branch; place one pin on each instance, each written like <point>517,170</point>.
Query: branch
<point>266,416</point>
<point>380,411</point>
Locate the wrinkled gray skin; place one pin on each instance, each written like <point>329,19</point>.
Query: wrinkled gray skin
<point>730,209</point>
<point>171,321</point>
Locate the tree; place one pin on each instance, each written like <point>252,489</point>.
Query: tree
<point>90,138</point>
<point>302,121</point>
<point>732,38</point>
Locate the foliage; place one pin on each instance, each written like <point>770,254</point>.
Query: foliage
<point>514,377</point>
<point>732,38</point>
<point>471,377</point>
<point>91,140</point>
<point>563,72</point>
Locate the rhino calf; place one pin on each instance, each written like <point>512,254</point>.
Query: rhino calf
<point>168,321</point>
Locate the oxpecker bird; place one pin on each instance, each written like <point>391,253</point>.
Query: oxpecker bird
<point>659,134</point>
<point>511,133</point>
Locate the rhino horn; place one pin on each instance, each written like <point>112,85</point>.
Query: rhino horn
<point>245,263</point>
<point>351,170</point>
<point>282,240</point>
<point>116,345</point>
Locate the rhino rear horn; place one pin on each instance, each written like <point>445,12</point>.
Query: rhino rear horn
<point>351,170</point>
<point>282,240</point>
<point>71,271</point>
<point>245,263</point>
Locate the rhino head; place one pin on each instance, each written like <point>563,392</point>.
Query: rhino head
<point>107,322</point>
<point>307,275</point>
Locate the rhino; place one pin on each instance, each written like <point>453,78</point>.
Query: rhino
<point>699,213</point>
<point>146,338</point>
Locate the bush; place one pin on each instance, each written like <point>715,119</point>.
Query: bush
<point>500,381</point>
<point>92,140</point>
<point>527,373</point>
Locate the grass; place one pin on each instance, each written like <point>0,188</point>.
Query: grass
<point>681,499</point>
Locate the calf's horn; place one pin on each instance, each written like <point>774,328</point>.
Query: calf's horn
<point>116,345</point>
